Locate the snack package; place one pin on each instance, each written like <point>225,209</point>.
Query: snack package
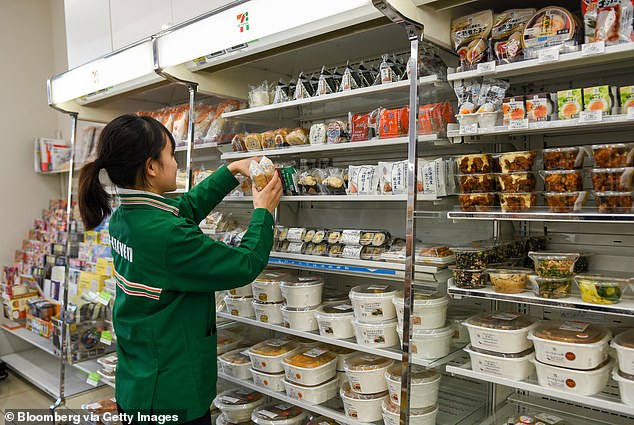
<point>610,21</point>
<point>363,126</point>
<point>253,141</point>
<point>539,107</point>
<point>309,182</point>
<point>600,98</point>
<point>326,83</point>
<point>569,103</point>
<point>334,183</point>
<point>513,109</point>
<point>303,89</point>
<point>299,136</point>
<point>349,79</point>
<point>430,62</point>
<point>363,179</point>
<point>203,115</point>
<point>218,128</point>
<point>280,137</point>
<point>491,95</point>
<point>467,93</point>
<point>166,117</point>
<point>394,122</point>
<point>433,118</point>
<point>238,144</point>
<point>259,95</point>
<point>626,95</point>
<point>281,93</point>
<point>317,135</point>
<point>337,132</point>
<point>393,178</point>
<point>470,38</point>
<point>387,72</point>
<point>506,34</point>
<point>200,174</point>
<point>268,140</point>
<point>550,27</point>
<point>261,173</point>
<point>434,177</point>
<point>290,178</point>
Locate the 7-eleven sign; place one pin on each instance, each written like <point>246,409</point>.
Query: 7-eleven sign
<point>243,21</point>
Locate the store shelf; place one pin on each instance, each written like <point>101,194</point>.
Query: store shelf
<point>377,269</point>
<point>23,333</point>
<point>602,401</point>
<point>625,307</point>
<point>52,173</point>
<point>368,146</point>
<point>205,145</point>
<point>332,408</point>
<point>336,104</point>
<point>392,353</point>
<point>42,370</point>
<point>572,63</point>
<point>590,215</point>
<point>608,122</point>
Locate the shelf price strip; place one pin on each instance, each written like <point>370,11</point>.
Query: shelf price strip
<point>335,267</point>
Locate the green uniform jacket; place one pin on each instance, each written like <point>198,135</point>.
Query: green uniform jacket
<point>166,272</point>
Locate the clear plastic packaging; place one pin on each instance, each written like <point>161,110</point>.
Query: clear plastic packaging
<point>517,202</point>
<point>614,202</point>
<point>241,307</point>
<point>509,281</point>
<point>613,179</point>
<point>570,158</point>
<point>376,334</point>
<point>238,404</point>
<point>373,302</point>
<point>510,366</point>
<point>242,291</point>
<point>259,95</point>
<point>517,161</point>
<point>334,183</point>
<point>337,132</point>
<point>429,312</point>
<point>393,178</point>
<point>545,287</point>
<point>362,407</point>
<point>471,258</point>
<point>335,321</point>
<point>623,343</point>
<point>278,413</point>
<point>429,344</point>
<point>565,202</point>
<point>477,201</point>
<point>393,122</point>
<point>317,394</point>
<point>554,264</point>
<point>474,163</point>
<point>517,182</point>
<point>580,382</point>
<point>235,363</point>
<point>500,332</point>
<point>610,22</point>
<point>470,38</point>
<point>222,420</point>
<point>476,183</point>
<point>424,385</point>
<point>601,289</point>
<point>563,180</point>
<point>506,34</point>
<point>267,356</point>
<point>539,107</point>
<point>268,312</point>
<point>469,279</point>
<point>613,155</point>
<point>366,372</point>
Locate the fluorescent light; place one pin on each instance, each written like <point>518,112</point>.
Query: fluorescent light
<point>103,73</point>
<point>233,26</point>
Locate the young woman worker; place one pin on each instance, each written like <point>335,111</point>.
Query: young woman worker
<point>166,269</point>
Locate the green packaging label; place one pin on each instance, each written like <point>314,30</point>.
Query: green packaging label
<point>597,99</point>
<point>627,98</point>
<point>570,103</point>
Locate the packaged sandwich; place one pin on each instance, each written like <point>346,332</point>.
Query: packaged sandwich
<point>299,136</point>
<point>363,180</point>
<point>261,173</point>
<point>364,126</point>
<point>237,144</point>
<point>253,142</point>
<point>268,140</point>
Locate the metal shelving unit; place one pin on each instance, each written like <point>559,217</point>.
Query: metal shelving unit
<point>588,215</point>
<point>42,343</point>
<point>340,198</point>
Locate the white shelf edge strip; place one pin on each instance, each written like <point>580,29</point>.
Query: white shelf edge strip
<point>340,198</point>
<point>542,216</point>
<point>432,79</point>
<point>598,401</point>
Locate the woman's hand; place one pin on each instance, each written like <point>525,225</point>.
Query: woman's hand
<point>269,197</point>
<point>242,166</point>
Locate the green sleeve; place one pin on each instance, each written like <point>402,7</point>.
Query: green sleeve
<point>197,263</point>
<point>202,198</point>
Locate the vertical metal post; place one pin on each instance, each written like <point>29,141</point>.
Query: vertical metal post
<point>414,35</point>
<point>192,88</point>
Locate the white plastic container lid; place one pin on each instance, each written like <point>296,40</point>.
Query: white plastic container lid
<point>363,362</point>
<point>302,281</point>
<point>388,406</point>
<point>273,277</point>
<point>391,322</point>
<point>278,413</point>
<point>238,399</point>
<point>299,309</point>
<point>419,374</point>
<point>502,321</point>
<point>347,392</point>
<point>229,298</point>
<point>316,356</point>
<point>335,311</point>
<point>423,299</point>
<point>374,290</point>
<point>235,357</point>
<point>448,329</point>
<point>222,420</point>
<point>273,347</point>
<point>571,332</point>
<point>470,349</point>
<point>625,339</point>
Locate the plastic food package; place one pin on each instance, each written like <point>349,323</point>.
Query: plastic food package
<point>317,134</point>
<point>512,366</point>
<point>393,177</point>
<point>326,84</point>
<point>363,180</point>
<point>475,163</point>
<point>517,182</point>
<point>334,183</point>
<point>238,143</point>
<point>310,182</point>
<point>180,123</point>
<point>281,94</point>
<point>237,405</point>
<point>218,129</point>
<point>570,158</point>
<point>599,98</point>
<point>476,183</point>
<point>565,202</point>
<point>267,140</point>
<point>365,75</point>
<point>613,179</point>
<point>373,303</point>
<point>394,122</point>
<point>363,126</point>
<point>516,161</point>
<point>337,132</point>
<point>608,21</point>
<point>467,93</point>
<point>433,118</point>
<point>513,109</point>
<point>563,180</point>
<point>614,202</point>
<point>626,97</point>
<point>298,136</point>
<point>554,264</point>
<point>539,107</point>
<point>500,332</point>
<point>545,287</point>
<point>570,103</point>
<point>491,95</point>
<point>613,155</point>
<point>303,89</point>
<point>476,201</point>
<point>469,35</point>
<point>550,27</point>
<point>259,95</point>
<point>280,137</point>
<point>603,289</point>
<point>469,279</point>
<point>261,173</point>
<point>349,79</point>
<point>203,115</point>
<point>506,34</point>
<point>253,142</point>
<point>366,372</point>
<point>539,419</point>
<point>278,413</point>
<point>509,281</point>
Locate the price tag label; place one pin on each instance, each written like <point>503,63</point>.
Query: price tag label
<point>93,379</point>
<point>106,338</point>
<point>590,116</point>
<point>469,129</point>
<point>104,297</point>
<point>518,124</point>
<point>593,48</point>
<point>486,67</point>
<point>630,113</point>
<point>548,55</point>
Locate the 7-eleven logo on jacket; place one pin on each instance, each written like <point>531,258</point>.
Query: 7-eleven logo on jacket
<point>243,21</point>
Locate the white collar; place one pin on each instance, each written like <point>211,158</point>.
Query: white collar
<point>123,191</point>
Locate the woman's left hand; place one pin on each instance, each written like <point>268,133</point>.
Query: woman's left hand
<point>242,166</point>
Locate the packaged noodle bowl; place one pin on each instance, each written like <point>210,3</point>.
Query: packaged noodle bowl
<point>550,27</point>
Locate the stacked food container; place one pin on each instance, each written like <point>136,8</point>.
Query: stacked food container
<point>277,413</point>
<point>500,345</point>
<point>612,177</point>
<point>239,301</point>
<point>235,363</point>
<point>237,405</point>
<point>476,181</point>
<point>563,179</point>
<point>374,320</point>
<point>554,273</point>
<point>267,295</point>
<point>624,373</point>
<point>572,356</point>
<point>366,389</point>
<point>471,263</point>
<point>301,297</point>
<point>431,334</point>
<point>424,387</point>
<point>266,362</point>
<point>517,181</point>
<point>311,375</point>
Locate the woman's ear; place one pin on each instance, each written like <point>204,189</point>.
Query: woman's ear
<point>151,167</point>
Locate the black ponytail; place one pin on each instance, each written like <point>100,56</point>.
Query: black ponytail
<point>125,145</point>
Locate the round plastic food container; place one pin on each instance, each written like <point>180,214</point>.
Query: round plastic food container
<point>613,155</point>
<point>334,297</point>
<point>267,356</point>
<point>425,384</point>
<point>268,312</point>
<point>362,407</point>
<point>237,405</point>
<point>300,318</point>
<point>335,320</point>
<point>373,303</point>
<point>574,345</point>
<point>302,291</point>
<point>391,414</point>
<point>243,291</point>
<point>430,310</point>
<point>500,332</point>
<point>456,315</point>
<point>554,264</point>
<point>545,287</point>
<point>376,334</point>
<point>342,354</point>
<point>511,366</point>
<point>427,344</point>
<point>278,414</point>
<point>626,385</point>
<point>227,341</point>
<point>469,279</point>
<point>266,287</point>
<point>241,307</point>
<point>582,382</point>
<point>313,395</point>
<point>311,367</point>
<point>272,381</point>
<point>624,345</point>
<point>366,372</point>
<point>601,289</point>
<point>235,363</point>
<point>509,281</point>
<point>222,420</point>
<point>321,420</point>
